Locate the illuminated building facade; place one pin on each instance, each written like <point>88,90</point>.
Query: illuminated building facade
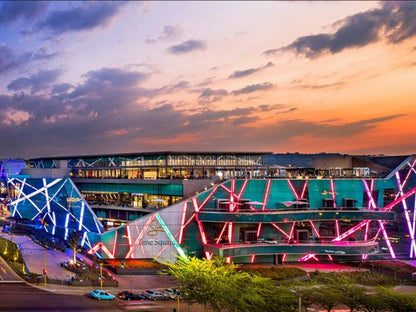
<point>269,214</point>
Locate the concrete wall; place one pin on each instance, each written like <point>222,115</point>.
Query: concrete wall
<point>47,172</point>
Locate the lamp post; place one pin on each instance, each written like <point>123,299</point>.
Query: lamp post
<point>300,299</point>
<point>101,275</point>
<point>44,267</point>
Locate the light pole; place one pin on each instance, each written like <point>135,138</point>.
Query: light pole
<point>44,267</point>
<point>101,275</point>
<point>300,299</point>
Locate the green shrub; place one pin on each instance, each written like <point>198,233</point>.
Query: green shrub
<point>275,273</point>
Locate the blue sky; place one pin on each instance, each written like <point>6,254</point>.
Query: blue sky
<point>107,77</point>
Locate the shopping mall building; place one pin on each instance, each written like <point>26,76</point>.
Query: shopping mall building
<point>246,207</point>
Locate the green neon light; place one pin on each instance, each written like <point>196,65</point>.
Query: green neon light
<point>178,248</point>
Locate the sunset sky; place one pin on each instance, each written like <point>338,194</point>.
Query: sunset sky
<point>115,77</point>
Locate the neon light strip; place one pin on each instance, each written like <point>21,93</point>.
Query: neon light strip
<point>370,196</point>
<point>293,189</point>
<point>42,189</point>
<point>172,239</point>
<point>412,166</point>
<point>107,252</point>
<point>222,232</point>
<point>243,187</point>
<point>314,229</point>
<point>81,216</point>
<point>253,256</point>
<point>227,259</point>
<point>164,248</point>
<point>225,188</point>
<point>281,231</point>
<point>334,203</point>
<point>305,185</point>
<point>128,235</point>
<point>230,232</point>
<point>330,257</point>
<point>386,238</point>
<point>115,243</point>
<point>351,231</point>
<point>195,203</point>
<point>190,219</point>
<point>398,200</point>
<point>284,257</point>
<point>208,255</point>
<point>201,231</point>
<point>83,239</point>
<point>208,197</point>
<point>185,207</point>
<point>366,238</point>
<point>307,257</point>
<point>139,236</point>
<point>292,230</point>
<point>377,234</point>
<point>406,213</point>
<point>258,230</point>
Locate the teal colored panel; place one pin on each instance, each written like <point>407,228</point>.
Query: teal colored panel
<point>381,185</point>
<point>317,191</point>
<point>255,190</point>
<point>164,189</point>
<point>349,189</point>
<point>279,192</point>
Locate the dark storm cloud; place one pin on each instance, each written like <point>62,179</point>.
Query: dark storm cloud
<point>11,11</point>
<point>187,46</point>
<point>250,71</point>
<point>37,82</point>
<point>253,88</point>
<point>393,21</point>
<point>10,59</point>
<point>85,17</point>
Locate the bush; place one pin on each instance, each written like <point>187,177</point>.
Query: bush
<point>275,273</point>
<point>357,277</point>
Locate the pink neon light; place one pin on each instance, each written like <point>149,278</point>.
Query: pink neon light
<point>195,203</point>
<point>201,231</point>
<point>190,219</point>
<point>386,238</point>
<point>266,194</point>
<point>284,257</point>
<point>243,187</point>
<point>107,252</point>
<point>412,166</point>
<point>333,193</point>
<point>164,248</point>
<point>370,196</point>
<point>225,188</point>
<point>377,234</point>
<point>293,189</point>
<point>365,238</point>
<point>280,230</point>
<point>222,232</point>
<point>307,257</point>
<point>208,197</point>
<point>314,229</point>
<point>185,207</point>
<point>253,256</point>
<point>406,213</point>
<point>227,259</point>
<point>350,231</point>
<point>128,234</point>
<point>258,230</point>
<point>305,185</point>
<point>95,248</point>
<point>330,257</point>
<point>208,255</point>
<point>230,232</point>
<point>398,200</point>
<point>292,230</point>
<point>115,243</point>
<point>139,237</point>
<point>337,227</point>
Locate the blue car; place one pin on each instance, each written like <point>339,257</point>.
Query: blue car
<point>101,295</point>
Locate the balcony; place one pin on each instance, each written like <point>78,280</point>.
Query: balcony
<point>293,215</point>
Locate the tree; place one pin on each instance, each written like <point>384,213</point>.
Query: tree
<point>327,296</point>
<point>352,295</point>
<point>222,287</point>
<point>73,241</point>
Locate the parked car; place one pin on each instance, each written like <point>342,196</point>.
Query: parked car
<point>128,295</point>
<point>101,295</point>
<point>172,293</point>
<point>155,295</point>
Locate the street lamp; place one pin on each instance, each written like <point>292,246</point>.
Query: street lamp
<point>300,298</point>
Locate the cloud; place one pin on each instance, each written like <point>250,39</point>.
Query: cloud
<point>253,88</point>
<point>11,11</point>
<point>88,16</point>
<point>37,82</point>
<point>169,32</point>
<point>250,71</point>
<point>392,21</point>
<point>10,59</point>
<point>208,92</point>
<point>187,46</point>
